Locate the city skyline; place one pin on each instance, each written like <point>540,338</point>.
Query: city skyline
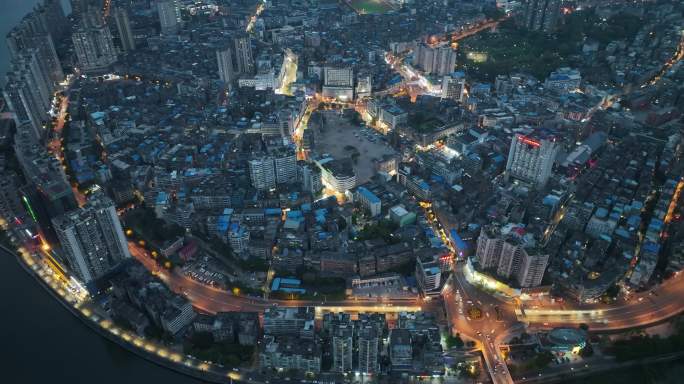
<point>356,191</point>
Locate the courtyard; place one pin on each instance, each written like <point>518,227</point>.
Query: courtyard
<point>338,136</point>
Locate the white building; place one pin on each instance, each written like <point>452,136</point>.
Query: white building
<point>286,166</point>
<point>393,116</point>
<point>342,347</point>
<point>338,76</point>
<point>288,353</point>
<point>93,44</point>
<point>177,316</point>
<point>564,80</point>
<point>453,87</point>
<point>289,321</point>
<point>337,175</point>
<point>369,350</point>
<point>439,59</point>
<point>243,55</point>
<point>369,201</point>
<point>262,173</point>
<point>531,160</point>
<point>363,86</point>
<point>511,254</point>
<point>311,179</point>
<point>224,60</point>
<point>238,236</point>
<point>92,239</point>
<point>428,275</point>
<point>338,82</point>
<point>169,16</point>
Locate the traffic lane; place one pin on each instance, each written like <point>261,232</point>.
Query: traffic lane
<point>473,329</point>
<point>486,302</point>
<point>614,322</point>
<point>615,318</point>
<point>211,299</point>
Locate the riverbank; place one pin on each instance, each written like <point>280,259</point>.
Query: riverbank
<point>185,368</point>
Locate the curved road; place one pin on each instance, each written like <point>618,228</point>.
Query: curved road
<point>212,300</point>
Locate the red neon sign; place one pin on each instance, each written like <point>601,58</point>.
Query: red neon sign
<point>528,141</point>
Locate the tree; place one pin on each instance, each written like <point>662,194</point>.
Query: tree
<point>587,351</point>
<point>542,359</point>
<point>454,341</point>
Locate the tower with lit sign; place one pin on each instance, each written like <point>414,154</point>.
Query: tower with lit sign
<point>531,160</point>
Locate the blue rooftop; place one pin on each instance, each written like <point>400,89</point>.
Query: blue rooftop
<point>460,244</point>
<point>369,195</point>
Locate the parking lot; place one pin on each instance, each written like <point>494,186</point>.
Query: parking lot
<point>341,138</point>
<point>205,272</point>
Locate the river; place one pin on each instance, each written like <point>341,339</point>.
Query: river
<point>44,343</point>
<point>11,14</point>
<point>41,341</point>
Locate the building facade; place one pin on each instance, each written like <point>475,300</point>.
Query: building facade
<point>169,16</point>
<point>541,15</point>
<point>93,44</point>
<point>531,160</point>
<point>92,239</point>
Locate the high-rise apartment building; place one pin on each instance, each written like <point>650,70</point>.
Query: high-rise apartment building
<point>310,176</point>
<point>364,86</point>
<point>342,348</point>
<point>338,76</point>
<point>541,15</point>
<point>369,350</point>
<point>93,43</point>
<point>400,349</point>
<point>48,187</point>
<point>80,7</point>
<point>37,31</point>
<point>531,160</point>
<point>511,254</point>
<point>428,275</point>
<point>169,16</point>
<point>224,61</point>
<point>52,15</point>
<point>285,165</point>
<point>244,57</point>
<point>453,86</point>
<point>123,26</point>
<point>28,92</point>
<point>532,268</point>
<point>91,238</point>
<point>262,173</point>
<point>439,60</point>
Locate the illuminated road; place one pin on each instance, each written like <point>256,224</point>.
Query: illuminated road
<point>416,82</point>
<point>54,146</point>
<point>252,20</point>
<point>211,300</point>
<point>678,56</point>
<point>488,331</point>
<point>642,310</point>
